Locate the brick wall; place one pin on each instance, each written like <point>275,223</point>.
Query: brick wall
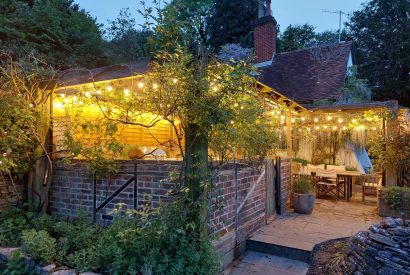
<point>72,189</point>
<point>285,184</point>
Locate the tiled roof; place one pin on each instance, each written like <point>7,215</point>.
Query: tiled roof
<point>82,76</point>
<point>309,74</point>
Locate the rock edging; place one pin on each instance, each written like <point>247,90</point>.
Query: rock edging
<point>384,249</point>
<point>51,269</point>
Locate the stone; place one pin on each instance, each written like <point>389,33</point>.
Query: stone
<point>388,271</point>
<point>370,261</point>
<point>399,261</point>
<point>388,223</point>
<point>385,254</point>
<point>383,240</point>
<point>398,221</point>
<point>374,245</point>
<point>371,251</point>
<point>65,272</point>
<point>389,263</point>
<point>5,253</point>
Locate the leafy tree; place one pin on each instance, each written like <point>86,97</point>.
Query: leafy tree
<point>381,32</point>
<point>297,37</point>
<point>355,89</point>
<point>326,38</point>
<point>54,30</point>
<point>126,42</point>
<point>231,22</point>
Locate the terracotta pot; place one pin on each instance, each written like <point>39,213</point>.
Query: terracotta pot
<point>303,203</point>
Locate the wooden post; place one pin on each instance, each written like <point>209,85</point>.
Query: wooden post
<point>289,133</point>
<point>392,126</point>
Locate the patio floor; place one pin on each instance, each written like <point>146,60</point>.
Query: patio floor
<point>330,220</point>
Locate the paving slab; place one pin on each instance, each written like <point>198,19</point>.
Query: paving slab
<point>330,220</point>
<point>263,264</point>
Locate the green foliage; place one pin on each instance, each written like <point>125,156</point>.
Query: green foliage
<point>355,89</point>
<point>301,161</point>
<point>231,22</point>
<point>126,42</point>
<point>17,266</point>
<point>54,30</point>
<point>380,32</point>
<point>303,185</point>
<point>297,37</point>
<point>12,224</point>
<point>39,245</point>
<point>398,198</point>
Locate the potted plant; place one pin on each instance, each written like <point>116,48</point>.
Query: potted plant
<point>303,195</point>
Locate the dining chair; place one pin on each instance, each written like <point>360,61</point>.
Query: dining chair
<point>336,167</point>
<point>370,184</point>
<point>327,183</point>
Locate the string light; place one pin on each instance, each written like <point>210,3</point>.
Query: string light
<point>317,127</point>
<point>59,105</point>
<point>126,92</point>
<point>344,128</point>
<point>175,80</point>
<point>325,126</point>
<point>75,98</point>
<point>316,120</point>
<point>354,120</point>
<point>340,120</point>
<point>140,85</point>
<point>155,86</point>
<point>99,92</point>
<point>292,120</point>
<point>232,122</point>
<point>62,95</point>
<point>109,88</point>
<point>334,127</point>
<point>302,118</point>
<point>329,118</point>
<point>66,100</point>
<point>374,128</point>
<point>87,94</point>
<point>215,89</point>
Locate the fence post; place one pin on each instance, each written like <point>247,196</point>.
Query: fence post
<point>236,200</point>
<point>94,197</point>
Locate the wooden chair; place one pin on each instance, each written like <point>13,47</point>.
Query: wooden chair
<point>327,183</point>
<point>296,167</point>
<point>336,167</point>
<point>370,184</point>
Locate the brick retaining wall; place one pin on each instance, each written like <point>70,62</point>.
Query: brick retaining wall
<point>72,189</point>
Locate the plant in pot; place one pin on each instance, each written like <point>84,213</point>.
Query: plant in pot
<point>303,196</point>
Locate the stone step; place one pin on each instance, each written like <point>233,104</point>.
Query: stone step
<point>280,250</point>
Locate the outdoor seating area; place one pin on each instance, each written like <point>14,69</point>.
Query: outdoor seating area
<point>335,182</point>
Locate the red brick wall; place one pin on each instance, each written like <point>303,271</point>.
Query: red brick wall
<point>264,39</point>
<point>72,189</point>
<point>285,184</point>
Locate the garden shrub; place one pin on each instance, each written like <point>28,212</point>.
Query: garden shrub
<point>39,245</point>
<point>10,230</point>
<point>17,266</point>
<point>398,198</point>
<point>303,185</point>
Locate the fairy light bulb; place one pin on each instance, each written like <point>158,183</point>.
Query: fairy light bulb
<point>317,127</point>
<point>109,88</point>
<point>75,98</point>
<point>316,120</point>
<point>374,128</point>
<point>99,92</point>
<point>58,105</point>
<point>140,85</point>
<point>126,92</point>
<point>334,127</point>
<point>215,89</point>
<point>232,122</point>
<point>66,100</point>
<point>354,120</point>
<point>329,118</point>
<point>325,127</point>
<point>62,95</point>
<point>175,80</point>
<point>340,120</point>
<point>303,118</point>
<point>344,128</point>
<point>87,94</point>
<point>292,120</point>
<point>155,86</point>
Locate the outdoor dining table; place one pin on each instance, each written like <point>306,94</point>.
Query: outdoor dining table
<point>348,177</point>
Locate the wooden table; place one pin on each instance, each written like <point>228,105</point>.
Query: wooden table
<point>348,177</point>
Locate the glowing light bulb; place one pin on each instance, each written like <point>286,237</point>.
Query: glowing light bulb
<point>241,107</point>
<point>303,118</point>
<point>316,120</point>
<point>155,86</point>
<point>308,129</point>
<point>374,128</point>
<point>340,120</point>
<point>126,92</point>
<point>75,98</point>
<point>334,127</point>
<point>325,127</point>
<point>282,117</point>
<point>232,122</point>
<point>329,118</point>
<point>59,105</point>
<point>344,128</point>
<point>99,92</point>
<point>62,95</point>
<point>87,94</point>
<point>109,88</point>
<point>354,120</point>
<point>292,120</point>
<point>80,103</point>
<point>140,85</point>
<point>175,80</point>
<point>317,127</point>
<point>66,100</point>
<point>215,89</point>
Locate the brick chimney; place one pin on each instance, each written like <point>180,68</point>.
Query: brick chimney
<point>265,36</point>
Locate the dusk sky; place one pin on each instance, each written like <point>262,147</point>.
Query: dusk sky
<point>286,12</point>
